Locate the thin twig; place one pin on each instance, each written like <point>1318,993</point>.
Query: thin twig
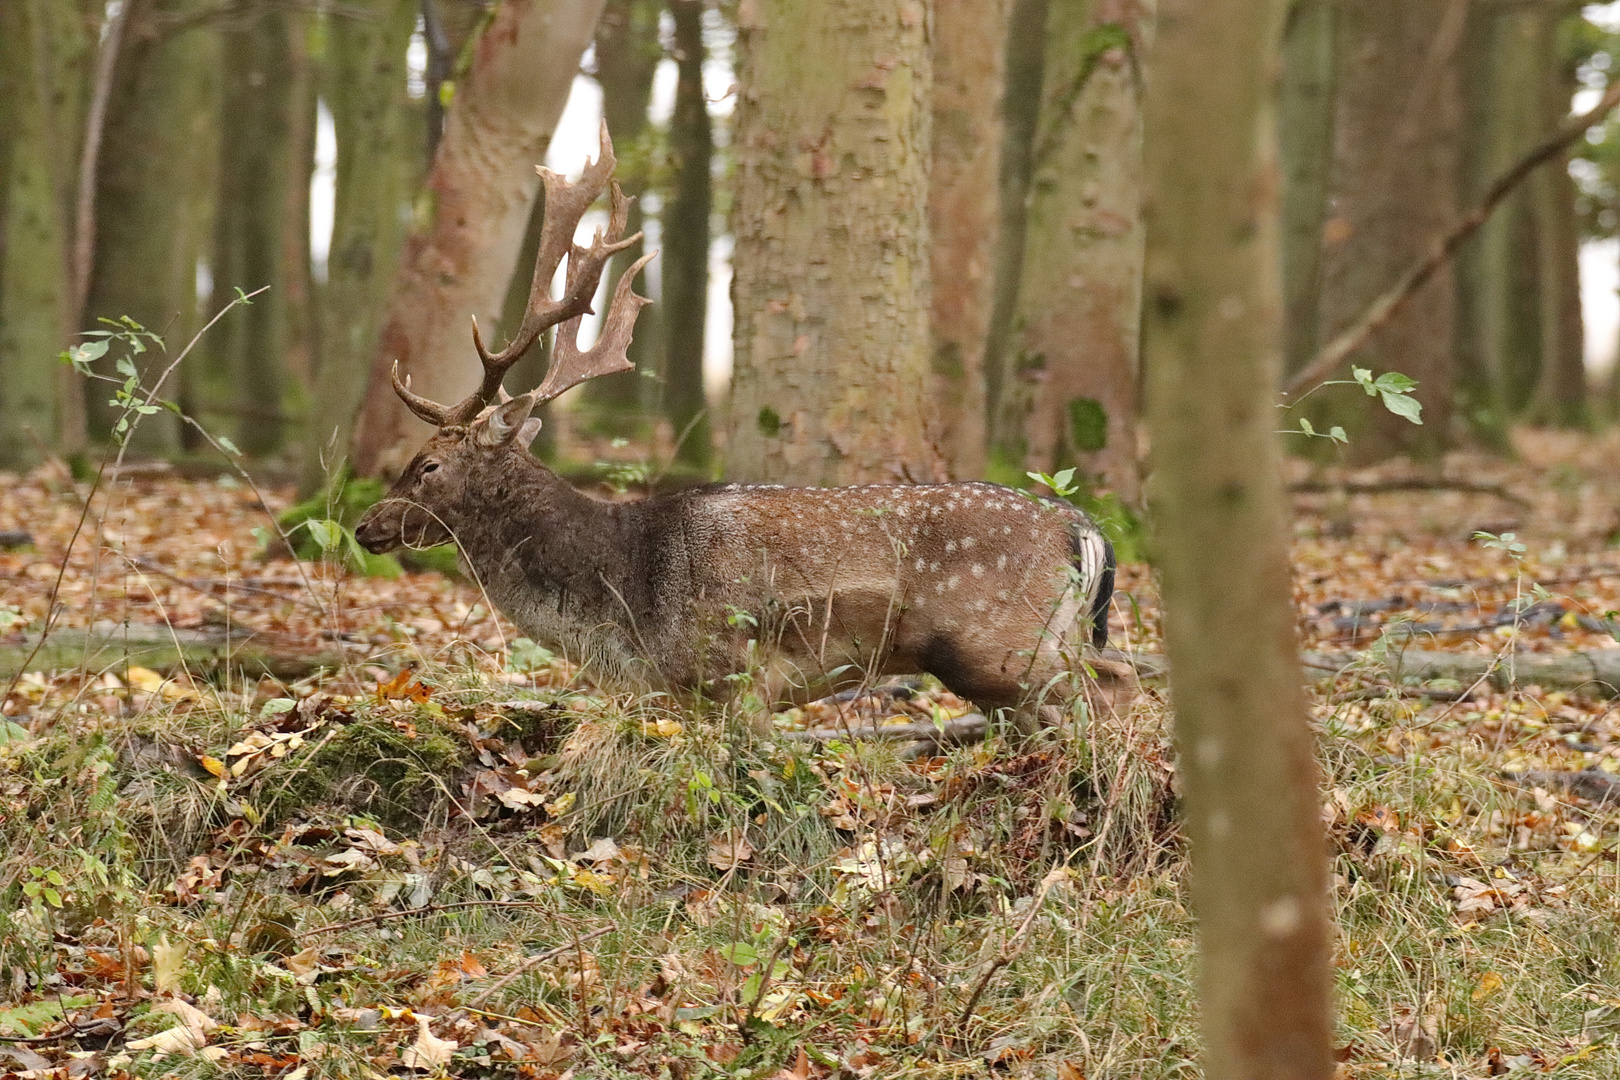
<point>425,909</point>
<point>538,959</point>
<point>1336,352</point>
<point>1010,949</point>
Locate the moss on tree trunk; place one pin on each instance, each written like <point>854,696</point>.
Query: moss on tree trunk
<point>1070,371</point>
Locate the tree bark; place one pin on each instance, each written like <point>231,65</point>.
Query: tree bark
<point>831,376</point>
<point>685,259</point>
<point>478,197</point>
<point>1396,138</point>
<point>1020,114</point>
<point>963,219</point>
<point>1069,388</point>
<point>378,167</point>
<point>1498,291</point>
<point>46,53</point>
<point>159,152</point>
<point>243,385</point>
<point>1213,336</point>
<point>627,55</point>
<point>1305,144</point>
<point>1561,391</point>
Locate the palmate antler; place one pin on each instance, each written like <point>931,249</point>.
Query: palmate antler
<point>566,203</point>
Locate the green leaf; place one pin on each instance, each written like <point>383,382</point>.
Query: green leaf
<point>53,898</point>
<point>740,953</point>
<point>326,533</point>
<point>1063,479</point>
<point>226,445</point>
<point>1405,406</point>
<point>1305,426</point>
<point>1364,377</point>
<point>1394,382</point>
<point>82,356</point>
<point>1336,433</point>
<point>126,367</point>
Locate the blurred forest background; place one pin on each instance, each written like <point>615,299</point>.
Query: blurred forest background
<point>974,244</point>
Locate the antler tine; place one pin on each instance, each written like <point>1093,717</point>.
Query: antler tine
<point>566,203</point>
<point>431,411</point>
<point>570,367</point>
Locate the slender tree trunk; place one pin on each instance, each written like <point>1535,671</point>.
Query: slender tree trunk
<point>378,168</point>
<point>1561,391</point>
<point>159,151</point>
<point>963,221</point>
<point>1020,114</point>
<point>1305,145</point>
<point>47,51</point>
<point>685,238</point>
<point>1396,140</point>
<point>297,276</point>
<point>478,199</point>
<point>1069,388</point>
<point>1213,335</point>
<point>627,55</point>
<point>831,376</point>
<point>1499,293</point>
<point>243,387</point>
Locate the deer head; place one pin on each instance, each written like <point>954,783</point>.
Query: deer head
<point>485,429</point>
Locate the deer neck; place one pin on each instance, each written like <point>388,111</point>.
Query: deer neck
<point>556,562</point>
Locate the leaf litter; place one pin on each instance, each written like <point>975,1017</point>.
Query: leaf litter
<point>500,867</point>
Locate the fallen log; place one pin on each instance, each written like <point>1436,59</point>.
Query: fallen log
<point>1595,672</point>
<point>164,649</point>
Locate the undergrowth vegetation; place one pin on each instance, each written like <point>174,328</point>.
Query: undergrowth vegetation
<point>456,868</point>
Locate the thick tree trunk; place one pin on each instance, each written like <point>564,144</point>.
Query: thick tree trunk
<point>627,55</point>
<point>1396,139</point>
<point>159,152</point>
<point>1069,383</point>
<point>1025,69</point>
<point>478,199</point>
<point>963,218</point>
<point>1213,336</point>
<point>831,376</point>
<point>378,168</point>
<point>1305,146</point>
<point>685,258</point>
<point>46,52</point>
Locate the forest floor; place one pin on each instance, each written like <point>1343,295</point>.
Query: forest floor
<point>450,853</point>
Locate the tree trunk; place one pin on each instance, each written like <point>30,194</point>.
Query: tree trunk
<point>1498,273</point>
<point>1561,392</point>
<point>378,167</point>
<point>478,199</point>
<point>963,220</point>
<point>627,55</point>
<point>1213,336</point>
<point>1069,388</point>
<point>831,376</point>
<point>243,386</point>
<point>46,53</point>
<point>685,239</point>
<point>159,151</point>
<point>1394,190</point>
<point>1020,113</point>
<point>1305,145</point>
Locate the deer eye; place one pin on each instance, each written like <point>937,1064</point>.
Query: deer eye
<point>431,466</point>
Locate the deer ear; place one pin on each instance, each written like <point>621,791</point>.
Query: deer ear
<point>505,421</point>
<point>531,428</point>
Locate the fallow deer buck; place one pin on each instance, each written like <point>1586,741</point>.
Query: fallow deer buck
<point>990,590</point>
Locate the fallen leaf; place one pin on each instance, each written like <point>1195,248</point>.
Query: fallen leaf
<point>728,852</point>
<point>428,1053</point>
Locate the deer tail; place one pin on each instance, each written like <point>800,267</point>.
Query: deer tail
<point>1093,557</point>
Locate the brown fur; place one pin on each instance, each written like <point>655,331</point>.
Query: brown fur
<point>969,582</point>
